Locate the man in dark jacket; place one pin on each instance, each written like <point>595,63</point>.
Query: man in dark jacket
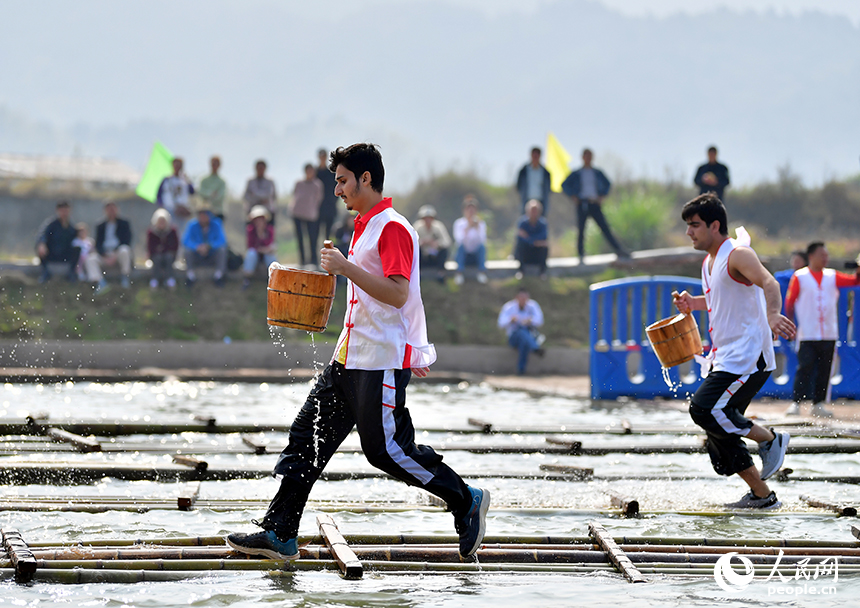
<point>533,182</point>
<point>587,187</point>
<point>113,242</point>
<point>712,176</point>
<point>54,243</point>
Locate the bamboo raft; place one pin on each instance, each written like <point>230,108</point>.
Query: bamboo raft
<point>637,559</point>
<point>36,424</point>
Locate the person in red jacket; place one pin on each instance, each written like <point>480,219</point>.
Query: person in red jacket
<point>813,294</point>
<point>162,243</point>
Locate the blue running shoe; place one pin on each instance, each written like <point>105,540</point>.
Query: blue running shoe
<point>471,528</point>
<point>264,543</point>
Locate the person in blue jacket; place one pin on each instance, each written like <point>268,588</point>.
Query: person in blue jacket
<point>587,187</point>
<point>533,182</point>
<point>205,245</point>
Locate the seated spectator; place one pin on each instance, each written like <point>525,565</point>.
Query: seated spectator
<point>532,238</point>
<point>54,243</point>
<point>470,235</point>
<point>433,241</point>
<point>174,194</point>
<point>261,243</point>
<point>162,245</point>
<point>305,209</point>
<point>113,243</point>
<point>205,245</point>
<point>520,318</point>
<point>88,261</point>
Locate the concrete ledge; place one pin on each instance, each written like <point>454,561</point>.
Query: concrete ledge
<point>133,354</point>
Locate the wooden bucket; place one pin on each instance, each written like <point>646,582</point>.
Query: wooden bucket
<point>300,299</point>
<point>675,340</point>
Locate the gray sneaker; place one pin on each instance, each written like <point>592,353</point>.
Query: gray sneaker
<point>773,453</point>
<point>751,501</point>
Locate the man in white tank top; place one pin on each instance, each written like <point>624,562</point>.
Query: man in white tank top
<point>383,342</point>
<point>812,298</point>
<point>743,304</point>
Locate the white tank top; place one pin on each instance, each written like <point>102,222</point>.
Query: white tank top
<point>739,331</point>
<point>376,335</point>
<point>815,308</point>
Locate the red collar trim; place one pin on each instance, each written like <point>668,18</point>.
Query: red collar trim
<point>376,209</point>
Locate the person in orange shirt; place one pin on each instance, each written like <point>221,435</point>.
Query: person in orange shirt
<point>813,294</point>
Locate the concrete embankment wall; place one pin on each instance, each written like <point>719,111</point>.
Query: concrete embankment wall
<point>123,355</point>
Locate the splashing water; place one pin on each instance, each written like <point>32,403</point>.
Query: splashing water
<point>668,380</point>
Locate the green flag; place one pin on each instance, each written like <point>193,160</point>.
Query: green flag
<point>160,165</point>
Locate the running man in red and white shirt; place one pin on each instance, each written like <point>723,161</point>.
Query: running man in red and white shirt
<point>813,294</point>
<point>743,304</point>
<point>383,342</point>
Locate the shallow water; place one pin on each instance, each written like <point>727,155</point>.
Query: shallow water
<point>519,506</point>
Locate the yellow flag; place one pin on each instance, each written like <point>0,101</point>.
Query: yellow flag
<point>557,162</point>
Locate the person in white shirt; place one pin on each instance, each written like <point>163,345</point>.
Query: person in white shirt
<point>174,194</point>
<point>743,304</point>
<point>470,235</point>
<point>383,343</point>
<point>520,318</point>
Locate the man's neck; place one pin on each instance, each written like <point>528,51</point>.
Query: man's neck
<point>816,268</point>
<point>365,206</point>
<point>715,249</point>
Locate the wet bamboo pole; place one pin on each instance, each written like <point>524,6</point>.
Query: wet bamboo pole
<point>614,553</point>
<point>340,551</point>
<point>20,557</point>
<point>846,511</point>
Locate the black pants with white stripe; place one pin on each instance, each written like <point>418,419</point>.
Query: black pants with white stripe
<point>718,406</point>
<point>375,403</point>
<point>814,364</point>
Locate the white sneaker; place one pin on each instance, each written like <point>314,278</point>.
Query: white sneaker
<point>773,453</point>
<point>482,278</point>
<point>458,279</point>
<point>793,410</point>
<point>819,411</point>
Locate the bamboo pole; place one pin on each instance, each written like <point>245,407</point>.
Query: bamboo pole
<point>19,553</point>
<point>843,510</point>
<point>80,443</point>
<point>614,553</point>
<point>350,566</point>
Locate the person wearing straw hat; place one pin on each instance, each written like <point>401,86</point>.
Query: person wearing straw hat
<point>383,342</point>
<point>205,245</point>
<point>433,242</point>
<point>261,243</point>
<point>743,304</point>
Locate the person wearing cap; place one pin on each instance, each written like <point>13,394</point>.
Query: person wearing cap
<point>54,243</point>
<point>113,243</point>
<point>205,245</point>
<point>261,243</point>
<point>162,246</point>
<point>433,242</point>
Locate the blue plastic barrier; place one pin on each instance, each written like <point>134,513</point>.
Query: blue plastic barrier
<point>621,309</point>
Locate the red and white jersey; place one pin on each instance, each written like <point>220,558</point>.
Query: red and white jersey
<point>815,308</point>
<point>378,336</point>
<point>739,330</point>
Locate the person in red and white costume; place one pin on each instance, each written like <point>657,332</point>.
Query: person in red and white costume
<point>743,304</point>
<point>383,342</point>
<point>813,294</point>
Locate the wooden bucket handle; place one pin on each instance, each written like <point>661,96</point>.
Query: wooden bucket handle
<point>328,245</point>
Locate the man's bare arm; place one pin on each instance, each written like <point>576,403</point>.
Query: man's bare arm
<point>745,266</point>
